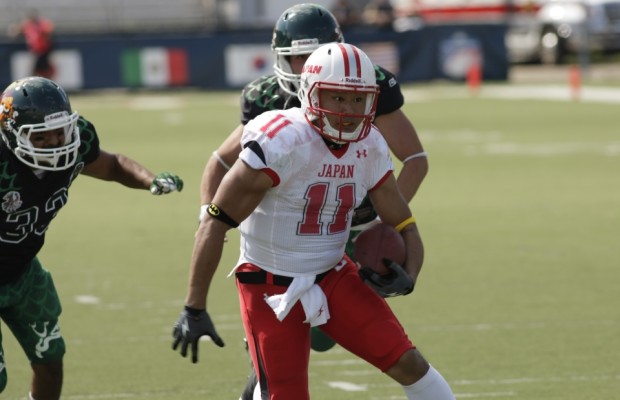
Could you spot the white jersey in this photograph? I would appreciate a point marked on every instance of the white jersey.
(302, 224)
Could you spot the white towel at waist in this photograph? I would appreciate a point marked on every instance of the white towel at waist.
(312, 299)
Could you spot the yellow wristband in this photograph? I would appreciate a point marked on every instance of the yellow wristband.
(403, 225)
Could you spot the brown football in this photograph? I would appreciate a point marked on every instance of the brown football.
(376, 243)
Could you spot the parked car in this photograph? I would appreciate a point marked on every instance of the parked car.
(563, 27)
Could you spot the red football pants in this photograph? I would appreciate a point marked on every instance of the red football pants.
(361, 322)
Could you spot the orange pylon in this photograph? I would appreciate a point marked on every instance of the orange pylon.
(474, 77)
(574, 82)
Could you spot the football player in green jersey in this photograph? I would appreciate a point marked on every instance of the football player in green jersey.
(45, 146)
(298, 32)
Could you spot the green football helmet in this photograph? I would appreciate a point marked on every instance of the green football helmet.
(301, 29)
(33, 105)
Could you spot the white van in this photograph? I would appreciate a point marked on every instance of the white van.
(537, 30)
(562, 27)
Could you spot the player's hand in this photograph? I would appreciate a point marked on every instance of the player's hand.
(364, 213)
(165, 183)
(395, 283)
(193, 324)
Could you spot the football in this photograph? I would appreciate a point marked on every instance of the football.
(376, 243)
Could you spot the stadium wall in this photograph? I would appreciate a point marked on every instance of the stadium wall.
(229, 60)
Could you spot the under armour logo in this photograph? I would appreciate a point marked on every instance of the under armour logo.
(362, 153)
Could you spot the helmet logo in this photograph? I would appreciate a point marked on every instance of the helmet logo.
(312, 69)
(352, 80)
(7, 114)
(58, 115)
(305, 42)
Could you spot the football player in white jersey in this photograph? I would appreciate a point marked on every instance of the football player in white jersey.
(292, 193)
(299, 30)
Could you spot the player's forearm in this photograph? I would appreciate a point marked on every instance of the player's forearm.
(415, 250)
(206, 256)
(119, 168)
(411, 176)
(220, 162)
(132, 174)
(211, 178)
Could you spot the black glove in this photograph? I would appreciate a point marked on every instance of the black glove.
(364, 213)
(395, 283)
(193, 324)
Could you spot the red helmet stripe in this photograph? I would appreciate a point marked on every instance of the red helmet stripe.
(347, 66)
(358, 62)
(347, 69)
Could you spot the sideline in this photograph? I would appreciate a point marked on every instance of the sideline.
(555, 92)
(587, 94)
(600, 83)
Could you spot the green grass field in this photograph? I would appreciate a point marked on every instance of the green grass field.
(518, 298)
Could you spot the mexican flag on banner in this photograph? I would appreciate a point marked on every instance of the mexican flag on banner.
(154, 67)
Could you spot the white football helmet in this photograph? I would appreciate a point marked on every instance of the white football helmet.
(342, 67)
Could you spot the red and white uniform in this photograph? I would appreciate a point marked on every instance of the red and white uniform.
(302, 225)
(38, 34)
(299, 230)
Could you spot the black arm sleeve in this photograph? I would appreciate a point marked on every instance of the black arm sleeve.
(390, 97)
